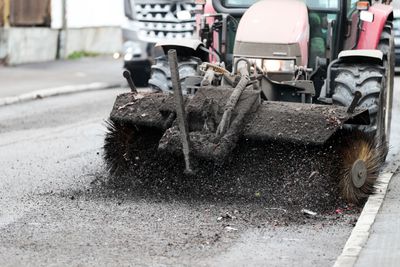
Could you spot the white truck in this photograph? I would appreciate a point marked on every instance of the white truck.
(148, 22)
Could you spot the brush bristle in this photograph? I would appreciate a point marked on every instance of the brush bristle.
(116, 147)
(359, 146)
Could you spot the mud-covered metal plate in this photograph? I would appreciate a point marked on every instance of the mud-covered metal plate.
(143, 110)
(300, 123)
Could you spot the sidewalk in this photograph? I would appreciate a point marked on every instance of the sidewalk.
(27, 78)
(383, 245)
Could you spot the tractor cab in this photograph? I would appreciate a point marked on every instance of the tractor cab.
(285, 36)
(327, 20)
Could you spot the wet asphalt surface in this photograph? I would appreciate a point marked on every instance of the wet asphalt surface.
(58, 206)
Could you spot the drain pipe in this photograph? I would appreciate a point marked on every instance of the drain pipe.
(62, 36)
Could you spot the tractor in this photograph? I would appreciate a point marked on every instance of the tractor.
(302, 73)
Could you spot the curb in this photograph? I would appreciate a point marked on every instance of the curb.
(360, 234)
(63, 90)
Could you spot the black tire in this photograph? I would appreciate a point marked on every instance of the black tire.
(365, 78)
(386, 45)
(161, 75)
(375, 82)
(140, 72)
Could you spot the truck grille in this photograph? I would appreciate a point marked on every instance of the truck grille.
(160, 21)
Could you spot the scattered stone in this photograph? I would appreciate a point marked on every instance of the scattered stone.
(339, 211)
(226, 216)
(230, 229)
(308, 213)
(280, 209)
(313, 175)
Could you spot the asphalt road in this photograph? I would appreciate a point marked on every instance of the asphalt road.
(24, 78)
(57, 206)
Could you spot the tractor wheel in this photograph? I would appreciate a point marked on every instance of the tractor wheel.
(368, 79)
(365, 147)
(376, 85)
(161, 75)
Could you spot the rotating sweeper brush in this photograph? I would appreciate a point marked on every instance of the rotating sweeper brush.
(361, 159)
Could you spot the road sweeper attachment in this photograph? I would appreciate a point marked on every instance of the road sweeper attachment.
(225, 131)
(273, 97)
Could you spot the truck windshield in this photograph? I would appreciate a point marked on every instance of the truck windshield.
(312, 4)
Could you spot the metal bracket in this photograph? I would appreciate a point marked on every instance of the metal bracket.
(180, 109)
(128, 77)
(354, 103)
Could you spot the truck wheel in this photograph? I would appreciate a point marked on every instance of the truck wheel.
(140, 74)
(161, 75)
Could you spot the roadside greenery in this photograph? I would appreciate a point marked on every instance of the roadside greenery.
(81, 54)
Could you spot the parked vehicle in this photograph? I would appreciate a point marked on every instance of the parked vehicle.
(148, 22)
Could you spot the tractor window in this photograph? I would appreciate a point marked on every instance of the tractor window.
(238, 3)
(351, 7)
(319, 35)
(322, 4)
